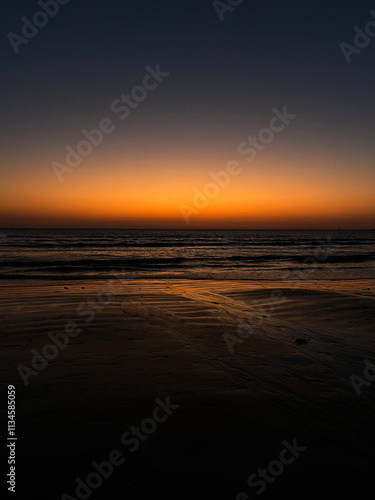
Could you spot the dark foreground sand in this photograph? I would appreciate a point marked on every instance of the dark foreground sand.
(160, 339)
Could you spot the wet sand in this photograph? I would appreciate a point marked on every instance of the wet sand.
(155, 339)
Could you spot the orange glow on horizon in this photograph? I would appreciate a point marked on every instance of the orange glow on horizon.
(269, 195)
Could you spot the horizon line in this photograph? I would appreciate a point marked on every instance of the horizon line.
(190, 229)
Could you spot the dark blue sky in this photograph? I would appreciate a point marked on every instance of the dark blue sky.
(262, 52)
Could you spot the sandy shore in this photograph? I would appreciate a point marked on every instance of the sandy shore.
(237, 405)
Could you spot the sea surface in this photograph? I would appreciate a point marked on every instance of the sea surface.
(186, 254)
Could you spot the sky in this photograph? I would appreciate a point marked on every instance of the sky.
(217, 79)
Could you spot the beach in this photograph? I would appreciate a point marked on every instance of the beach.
(241, 393)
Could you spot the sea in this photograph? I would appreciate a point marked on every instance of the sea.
(84, 254)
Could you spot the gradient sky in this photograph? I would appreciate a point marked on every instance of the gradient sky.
(225, 79)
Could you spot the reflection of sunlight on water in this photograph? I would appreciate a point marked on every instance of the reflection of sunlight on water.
(171, 254)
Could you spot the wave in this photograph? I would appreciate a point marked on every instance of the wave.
(92, 263)
(206, 242)
(301, 258)
(100, 263)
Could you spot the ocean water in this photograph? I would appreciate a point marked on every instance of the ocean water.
(186, 254)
